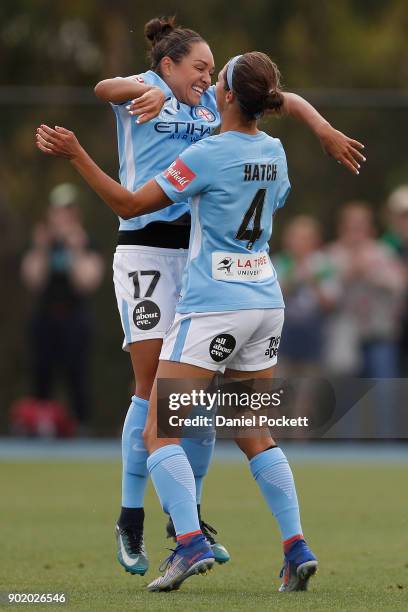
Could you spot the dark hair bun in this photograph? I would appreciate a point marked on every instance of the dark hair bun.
(156, 29)
(274, 100)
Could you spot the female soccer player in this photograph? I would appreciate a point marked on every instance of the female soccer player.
(235, 181)
(175, 95)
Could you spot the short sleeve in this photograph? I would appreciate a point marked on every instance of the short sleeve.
(189, 175)
(283, 193)
(144, 78)
(139, 78)
(284, 186)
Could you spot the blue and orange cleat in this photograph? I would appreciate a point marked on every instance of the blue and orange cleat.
(220, 553)
(298, 566)
(192, 557)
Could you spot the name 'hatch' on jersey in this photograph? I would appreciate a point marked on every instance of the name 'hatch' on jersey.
(236, 182)
(146, 149)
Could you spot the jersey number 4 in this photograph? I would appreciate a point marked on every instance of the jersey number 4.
(135, 277)
(253, 214)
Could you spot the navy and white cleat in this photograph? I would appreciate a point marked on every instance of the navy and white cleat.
(299, 565)
(187, 559)
(131, 551)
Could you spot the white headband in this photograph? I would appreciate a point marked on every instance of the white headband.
(230, 70)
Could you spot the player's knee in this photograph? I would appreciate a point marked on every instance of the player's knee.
(143, 388)
(145, 373)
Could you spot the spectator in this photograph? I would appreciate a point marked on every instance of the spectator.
(61, 269)
(308, 283)
(366, 327)
(396, 237)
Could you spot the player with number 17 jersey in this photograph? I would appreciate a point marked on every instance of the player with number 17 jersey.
(145, 149)
(153, 246)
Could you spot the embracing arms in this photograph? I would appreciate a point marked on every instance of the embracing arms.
(336, 144)
(146, 100)
(63, 143)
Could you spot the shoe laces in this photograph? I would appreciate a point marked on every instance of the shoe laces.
(207, 531)
(167, 562)
(134, 539)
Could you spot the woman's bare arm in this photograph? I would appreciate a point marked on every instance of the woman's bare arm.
(61, 142)
(146, 101)
(336, 144)
(119, 90)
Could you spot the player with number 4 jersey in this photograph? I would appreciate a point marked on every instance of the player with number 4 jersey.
(236, 182)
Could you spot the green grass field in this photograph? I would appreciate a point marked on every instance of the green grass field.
(57, 523)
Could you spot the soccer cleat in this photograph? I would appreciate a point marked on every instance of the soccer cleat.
(186, 560)
(131, 551)
(221, 554)
(298, 566)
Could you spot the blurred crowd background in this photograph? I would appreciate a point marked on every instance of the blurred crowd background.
(340, 244)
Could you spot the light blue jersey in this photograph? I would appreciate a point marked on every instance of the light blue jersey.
(236, 182)
(146, 149)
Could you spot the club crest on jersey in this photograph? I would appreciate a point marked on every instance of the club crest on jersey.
(170, 108)
(179, 175)
(204, 113)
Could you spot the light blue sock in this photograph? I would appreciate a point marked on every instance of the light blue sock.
(134, 454)
(173, 480)
(275, 479)
(199, 452)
